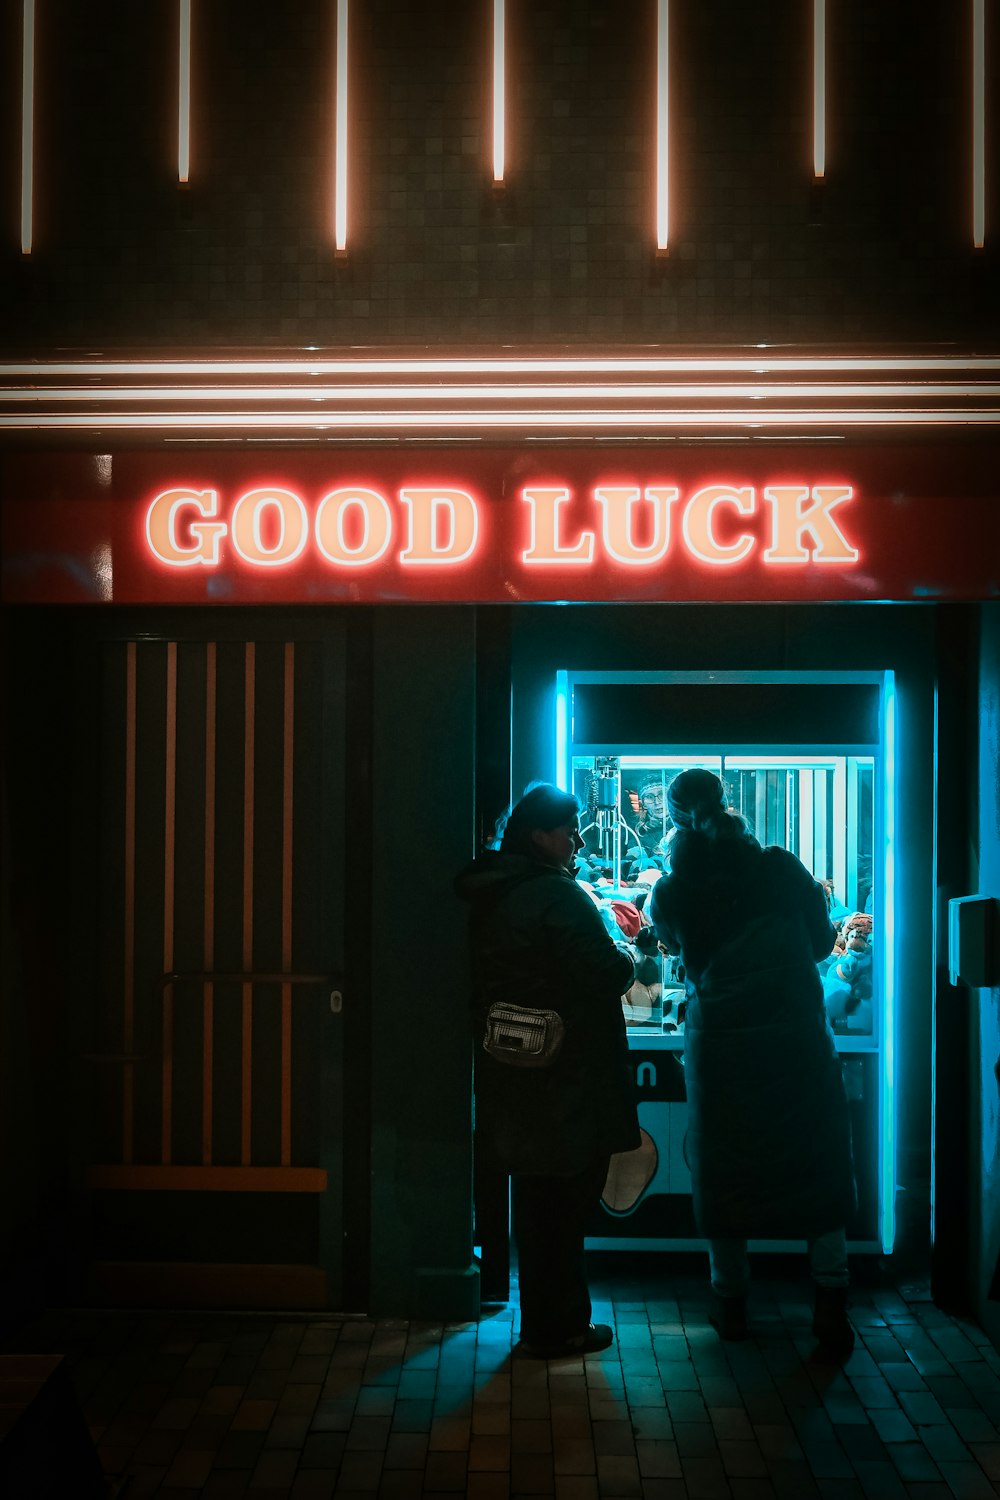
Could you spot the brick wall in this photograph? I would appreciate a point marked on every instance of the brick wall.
(879, 254)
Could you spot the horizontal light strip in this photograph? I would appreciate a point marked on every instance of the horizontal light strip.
(393, 421)
(303, 366)
(623, 392)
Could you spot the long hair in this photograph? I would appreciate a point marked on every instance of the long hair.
(543, 806)
(702, 818)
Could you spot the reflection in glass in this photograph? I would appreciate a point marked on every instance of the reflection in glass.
(819, 807)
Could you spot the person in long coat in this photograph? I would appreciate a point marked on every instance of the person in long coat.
(769, 1141)
(537, 940)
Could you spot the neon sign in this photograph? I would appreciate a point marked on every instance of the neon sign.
(632, 526)
(499, 525)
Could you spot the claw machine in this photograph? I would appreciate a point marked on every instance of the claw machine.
(808, 759)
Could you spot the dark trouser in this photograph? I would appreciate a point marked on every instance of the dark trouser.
(550, 1217)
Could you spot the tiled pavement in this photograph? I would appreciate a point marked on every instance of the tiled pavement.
(269, 1405)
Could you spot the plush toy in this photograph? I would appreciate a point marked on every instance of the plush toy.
(847, 984)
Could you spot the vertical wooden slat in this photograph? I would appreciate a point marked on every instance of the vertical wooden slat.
(248, 796)
(128, 976)
(169, 835)
(208, 951)
(286, 902)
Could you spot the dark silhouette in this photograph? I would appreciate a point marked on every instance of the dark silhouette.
(769, 1134)
(537, 940)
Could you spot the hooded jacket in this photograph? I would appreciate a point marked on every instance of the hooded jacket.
(537, 939)
(769, 1142)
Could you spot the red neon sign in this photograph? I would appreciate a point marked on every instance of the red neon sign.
(500, 525)
(355, 526)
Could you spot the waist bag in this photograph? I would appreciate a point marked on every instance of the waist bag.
(522, 1037)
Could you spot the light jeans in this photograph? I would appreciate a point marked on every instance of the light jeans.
(730, 1266)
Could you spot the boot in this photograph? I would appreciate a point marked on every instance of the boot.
(595, 1337)
(830, 1322)
(728, 1316)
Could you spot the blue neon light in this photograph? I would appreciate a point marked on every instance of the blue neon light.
(887, 1113)
(562, 731)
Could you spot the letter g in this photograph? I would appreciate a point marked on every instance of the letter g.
(163, 520)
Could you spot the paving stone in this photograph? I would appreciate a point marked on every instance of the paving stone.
(531, 1474)
(861, 1442)
(731, 1423)
(679, 1375)
(287, 1432)
(901, 1375)
(922, 1408)
(792, 1479)
(671, 1413)
(574, 1456)
(879, 1481)
(914, 1462)
(705, 1478)
(987, 1455)
(827, 1460)
(893, 1426)
(944, 1443)
(873, 1393)
(686, 1406)
(742, 1459)
(951, 1391)
(657, 1459)
(967, 1481)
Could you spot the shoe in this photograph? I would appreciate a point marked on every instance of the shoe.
(728, 1316)
(598, 1336)
(831, 1324)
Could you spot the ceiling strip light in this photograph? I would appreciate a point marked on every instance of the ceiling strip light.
(340, 168)
(499, 90)
(184, 92)
(349, 422)
(304, 365)
(978, 123)
(819, 88)
(626, 391)
(27, 124)
(662, 129)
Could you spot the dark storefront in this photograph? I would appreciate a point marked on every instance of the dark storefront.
(265, 705)
(368, 449)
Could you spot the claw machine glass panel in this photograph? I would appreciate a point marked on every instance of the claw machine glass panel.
(621, 742)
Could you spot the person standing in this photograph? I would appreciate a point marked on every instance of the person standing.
(769, 1142)
(537, 940)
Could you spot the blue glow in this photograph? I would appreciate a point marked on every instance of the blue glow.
(887, 1122)
(562, 731)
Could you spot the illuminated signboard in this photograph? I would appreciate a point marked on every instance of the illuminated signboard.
(497, 525)
(354, 527)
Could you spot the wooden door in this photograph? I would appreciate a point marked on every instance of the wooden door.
(216, 1055)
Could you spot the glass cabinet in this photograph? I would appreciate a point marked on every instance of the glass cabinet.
(820, 807)
(807, 759)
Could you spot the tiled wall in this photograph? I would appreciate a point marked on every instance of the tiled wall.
(880, 253)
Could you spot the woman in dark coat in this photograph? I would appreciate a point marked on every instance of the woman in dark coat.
(537, 940)
(768, 1141)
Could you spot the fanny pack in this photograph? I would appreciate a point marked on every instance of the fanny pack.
(523, 1037)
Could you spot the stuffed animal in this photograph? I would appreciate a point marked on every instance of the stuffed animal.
(847, 984)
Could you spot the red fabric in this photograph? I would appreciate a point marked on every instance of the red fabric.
(627, 916)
